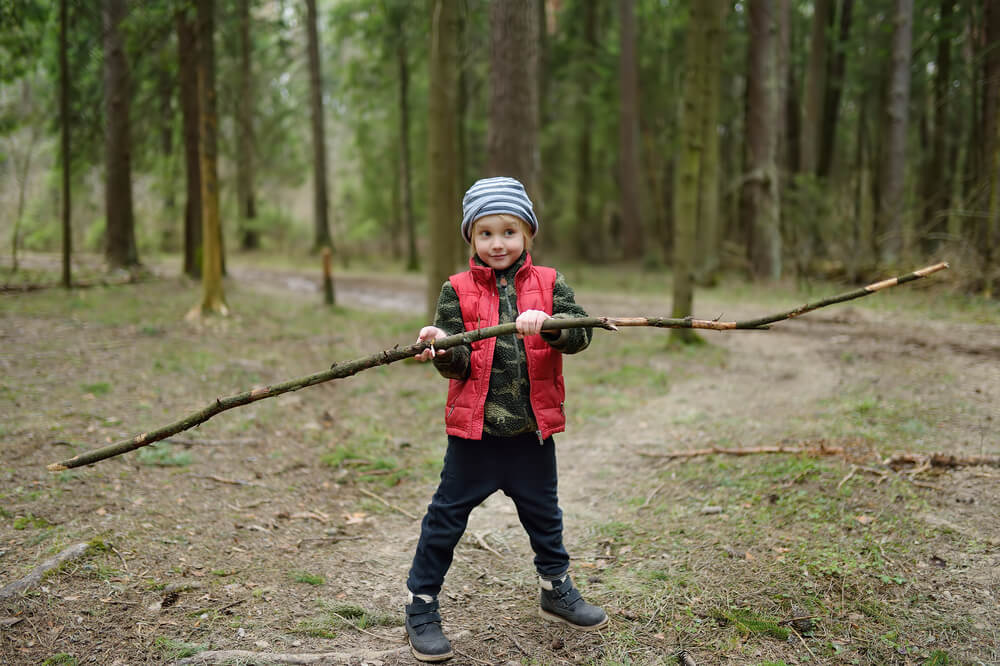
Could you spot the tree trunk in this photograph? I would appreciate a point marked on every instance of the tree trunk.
(936, 187)
(760, 188)
(321, 237)
(213, 300)
(587, 227)
(890, 206)
(689, 165)
(187, 75)
(783, 19)
(708, 231)
(993, 215)
(442, 146)
(512, 137)
(812, 118)
(988, 134)
(64, 143)
(405, 185)
(836, 67)
(119, 250)
(249, 236)
(628, 134)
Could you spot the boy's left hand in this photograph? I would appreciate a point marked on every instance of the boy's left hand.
(529, 322)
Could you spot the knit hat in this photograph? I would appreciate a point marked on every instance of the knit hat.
(495, 196)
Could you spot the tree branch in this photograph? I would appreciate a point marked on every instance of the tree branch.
(385, 357)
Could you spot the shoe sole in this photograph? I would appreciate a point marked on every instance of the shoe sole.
(552, 617)
(420, 656)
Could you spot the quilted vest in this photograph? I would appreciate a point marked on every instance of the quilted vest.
(480, 303)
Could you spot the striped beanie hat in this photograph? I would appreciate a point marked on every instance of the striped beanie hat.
(495, 196)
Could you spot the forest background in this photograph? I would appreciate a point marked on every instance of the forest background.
(773, 138)
(755, 153)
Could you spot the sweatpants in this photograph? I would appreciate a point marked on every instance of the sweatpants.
(475, 469)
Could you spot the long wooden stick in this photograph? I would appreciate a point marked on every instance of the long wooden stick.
(397, 353)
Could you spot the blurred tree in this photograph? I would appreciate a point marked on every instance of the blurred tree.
(890, 203)
(65, 156)
(815, 87)
(935, 188)
(834, 81)
(187, 75)
(628, 135)
(245, 160)
(397, 14)
(213, 299)
(702, 27)
(760, 185)
(708, 233)
(321, 236)
(442, 145)
(512, 137)
(120, 249)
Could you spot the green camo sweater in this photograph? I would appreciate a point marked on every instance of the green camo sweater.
(508, 408)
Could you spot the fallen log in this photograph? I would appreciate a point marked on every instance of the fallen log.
(397, 353)
(821, 450)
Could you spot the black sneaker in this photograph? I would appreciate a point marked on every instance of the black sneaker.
(423, 627)
(563, 603)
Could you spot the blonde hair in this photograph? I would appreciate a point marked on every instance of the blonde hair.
(506, 217)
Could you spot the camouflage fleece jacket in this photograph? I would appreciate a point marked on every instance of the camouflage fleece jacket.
(508, 407)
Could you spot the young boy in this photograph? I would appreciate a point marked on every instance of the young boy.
(505, 400)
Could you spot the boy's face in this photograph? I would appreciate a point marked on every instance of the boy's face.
(499, 240)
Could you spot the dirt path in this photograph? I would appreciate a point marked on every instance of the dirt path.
(235, 544)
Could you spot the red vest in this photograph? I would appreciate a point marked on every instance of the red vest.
(480, 302)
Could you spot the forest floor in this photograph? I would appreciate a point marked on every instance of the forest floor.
(287, 527)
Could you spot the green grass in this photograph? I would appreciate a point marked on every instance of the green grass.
(164, 455)
(307, 578)
(171, 648)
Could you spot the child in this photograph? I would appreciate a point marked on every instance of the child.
(505, 400)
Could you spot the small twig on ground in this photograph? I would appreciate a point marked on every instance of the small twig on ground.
(232, 482)
(354, 626)
(803, 642)
(481, 540)
(333, 539)
(228, 606)
(519, 646)
(121, 557)
(797, 619)
(469, 656)
(389, 504)
(854, 468)
(650, 496)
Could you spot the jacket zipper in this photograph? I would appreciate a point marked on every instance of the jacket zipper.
(541, 442)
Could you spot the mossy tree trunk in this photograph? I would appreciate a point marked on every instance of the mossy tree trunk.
(187, 77)
(213, 299)
(442, 146)
(321, 224)
(246, 203)
(120, 249)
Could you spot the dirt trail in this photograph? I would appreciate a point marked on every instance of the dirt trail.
(766, 385)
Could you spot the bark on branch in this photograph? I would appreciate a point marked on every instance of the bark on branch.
(397, 353)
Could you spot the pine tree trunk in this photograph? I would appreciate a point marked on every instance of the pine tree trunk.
(836, 67)
(512, 137)
(187, 75)
(587, 226)
(708, 232)
(213, 300)
(893, 172)
(812, 117)
(64, 144)
(783, 20)
(249, 236)
(761, 183)
(936, 187)
(628, 134)
(120, 250)
(405, 184)
(321, 236)
(689, 165)
(442, 147)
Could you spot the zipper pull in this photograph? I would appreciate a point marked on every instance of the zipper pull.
(541, 442)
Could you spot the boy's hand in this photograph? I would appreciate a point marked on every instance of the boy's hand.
(529, 322)
(430, 333)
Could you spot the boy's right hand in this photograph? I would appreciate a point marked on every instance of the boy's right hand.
(430, 333)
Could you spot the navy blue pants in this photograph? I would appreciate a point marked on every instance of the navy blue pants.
(473, 470)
